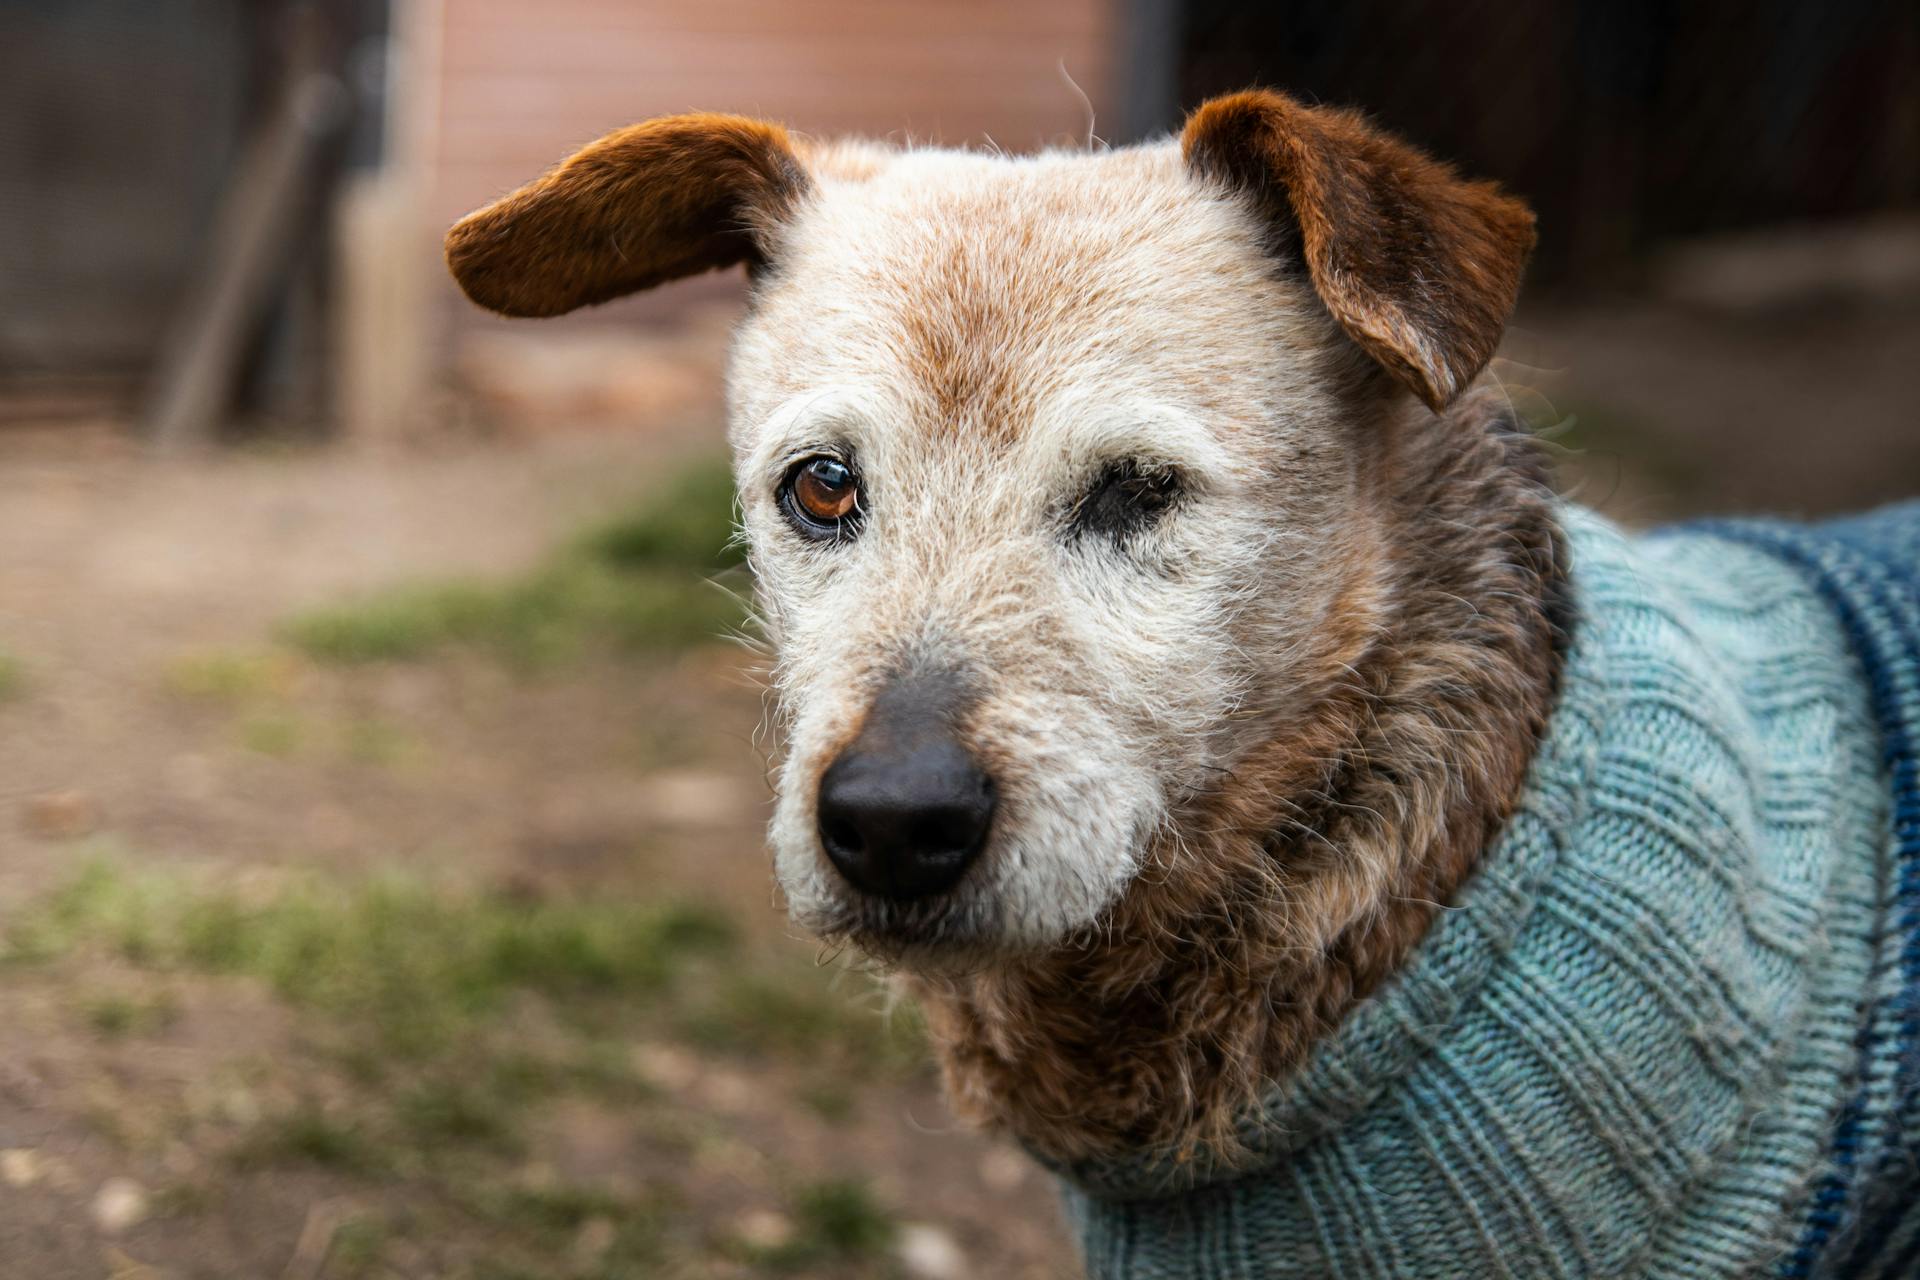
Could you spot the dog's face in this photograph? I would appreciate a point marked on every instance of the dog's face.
(1093, 466)
(1055, 470)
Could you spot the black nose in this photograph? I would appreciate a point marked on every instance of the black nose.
(905, 825)
(905, 809)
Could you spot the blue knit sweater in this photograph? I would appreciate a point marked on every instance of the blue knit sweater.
(1671, 1027)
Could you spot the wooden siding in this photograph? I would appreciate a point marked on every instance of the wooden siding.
(522, 84)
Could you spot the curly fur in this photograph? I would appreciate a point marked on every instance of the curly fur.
(1291, 888)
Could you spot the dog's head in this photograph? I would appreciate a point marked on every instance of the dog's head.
(1056, 470)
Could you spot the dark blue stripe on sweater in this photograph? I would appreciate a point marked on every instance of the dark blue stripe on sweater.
(1868, 569)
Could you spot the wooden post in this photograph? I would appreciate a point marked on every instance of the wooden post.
(254, 237)
(384, 337)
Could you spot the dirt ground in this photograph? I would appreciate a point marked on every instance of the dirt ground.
(607, 775)
(127, 1086)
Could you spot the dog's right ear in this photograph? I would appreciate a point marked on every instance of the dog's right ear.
(1418, 266)
(646, 204)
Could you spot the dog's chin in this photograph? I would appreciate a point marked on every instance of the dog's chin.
(946, 935)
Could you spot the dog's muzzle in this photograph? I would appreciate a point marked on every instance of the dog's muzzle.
(905, 808)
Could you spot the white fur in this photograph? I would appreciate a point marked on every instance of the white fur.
(983, 334)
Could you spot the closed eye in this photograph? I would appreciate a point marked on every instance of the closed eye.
(1125, 499)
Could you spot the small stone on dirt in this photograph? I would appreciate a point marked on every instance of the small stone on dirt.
(120, 1205)
(693, 798)
(123, 1266)
(929, 1253)
(596, 1236)
(328, 826)
(665, 1066)
(61, 815)
(191, 776)
(20, 1166)
(241, 1107)
(1003, 1170)
(763, 1228)
(728, 1092)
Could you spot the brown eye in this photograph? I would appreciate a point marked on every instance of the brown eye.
(823, 497)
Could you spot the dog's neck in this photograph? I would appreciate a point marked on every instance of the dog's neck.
(1305, 878)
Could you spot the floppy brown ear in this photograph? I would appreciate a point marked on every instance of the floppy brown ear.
(1419, 266)
(643, 205)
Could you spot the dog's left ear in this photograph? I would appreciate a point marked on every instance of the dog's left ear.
(649, 203)
(1418, 266)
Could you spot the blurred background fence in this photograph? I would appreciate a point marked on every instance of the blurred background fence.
(221, 211)
(1626, 125)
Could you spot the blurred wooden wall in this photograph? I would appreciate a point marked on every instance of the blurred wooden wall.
(1626, 123)
(521, 85)
(117, 125)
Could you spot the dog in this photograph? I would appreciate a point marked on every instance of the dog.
(1325, 848)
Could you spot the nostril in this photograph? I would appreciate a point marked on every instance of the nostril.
(840, 833)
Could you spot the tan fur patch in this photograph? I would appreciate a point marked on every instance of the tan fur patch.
(1419, 267)
(644, 205)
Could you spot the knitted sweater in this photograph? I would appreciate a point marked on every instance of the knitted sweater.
(1671, 1026)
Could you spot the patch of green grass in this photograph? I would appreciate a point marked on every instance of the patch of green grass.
(689, 525)
(256, 687)
(380, 743)
(834, 1220)
(115, 1015)
(309, 1134)
(561, 1208)
(13, 677)
(357, 1246)
(273, 734)
(832, 1101)
(229, 677)
(449, 1111)
(842, 1217)
(799, 1015)
(399, 624)
(403, 961)
(556, 1213)
(639, 582)
(433, 1025)
(603, 1070)
(532, 623)
(92, 901)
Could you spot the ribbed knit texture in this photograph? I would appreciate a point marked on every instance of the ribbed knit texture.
(1671, 1026)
